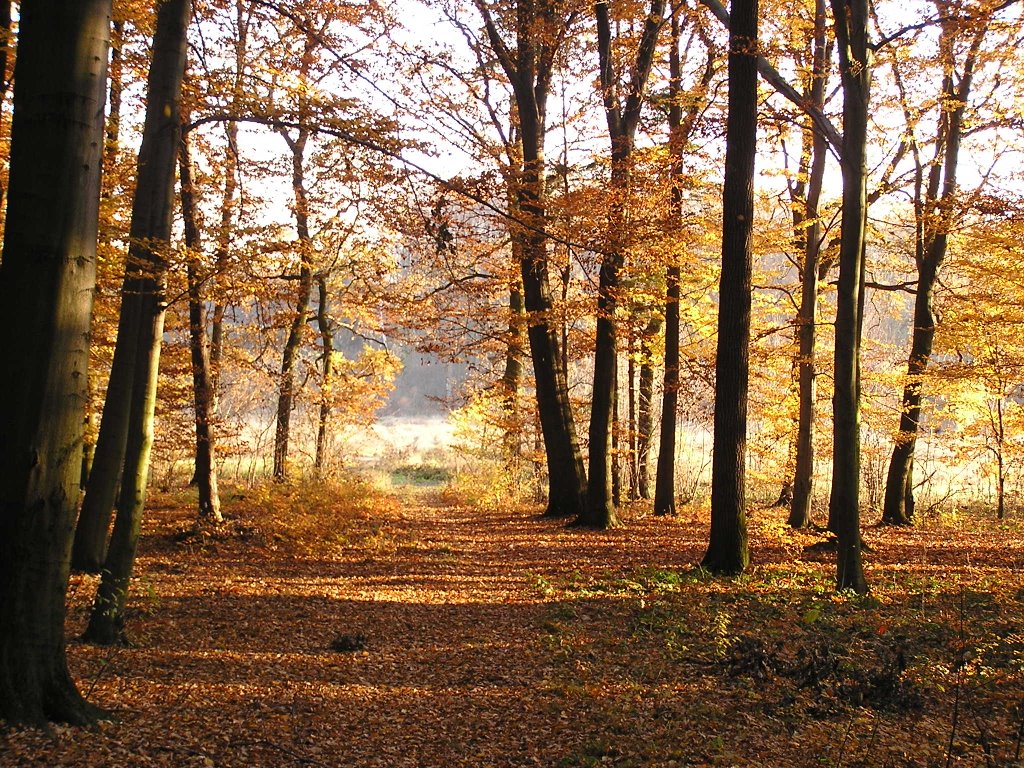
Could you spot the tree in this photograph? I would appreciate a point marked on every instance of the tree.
(152, 212)
(205, 475)
(851, 25)
(681, 123)
(727, 549)
(935, 193)
(622, 114)
(46, 281)
(540, 29)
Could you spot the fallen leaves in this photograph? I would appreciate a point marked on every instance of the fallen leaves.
(414, 632)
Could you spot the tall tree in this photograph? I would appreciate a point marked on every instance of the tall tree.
(622, 105)
(806, 196)
(205, 475)
(852, 37)
(540, 29)
(727, 548)
(46, 282)
(935, 192)
(681, 123)
(300, 306)
(152, 211)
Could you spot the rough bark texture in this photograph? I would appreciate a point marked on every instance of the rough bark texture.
(205, 475)
(727, 548)
(152, 210)
(46, 282)
(528, 67)
(851, 25)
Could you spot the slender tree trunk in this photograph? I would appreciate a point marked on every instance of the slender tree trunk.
(680, 126)
(528, 67)
(622, 119)
(727, 548)
(645, 416)
(286, 382)
(632, 430)
(323, 320)
(47, 276)
(934, 215)
(152, 212)
(221, 257)
(809, 231)
(205, 476)
(851, 24)
(222, 254)
(87, 554)
(513, 375)
(106, 620)
(106, 453)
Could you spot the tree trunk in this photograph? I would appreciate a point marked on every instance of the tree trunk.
(205, 475)
(851, 24)
(108, 185)
(327, 345)
(645, 413)
(680, 128)
(221, 257)
(632, 430)
(107, 617)
(152, 213)
(286, 382)
(934, 215)
(808, 229)
(47, 277)
(528, 67)
(727, 548)
(622, 119)
(513, 375)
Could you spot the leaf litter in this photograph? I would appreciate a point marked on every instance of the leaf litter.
(410, 630)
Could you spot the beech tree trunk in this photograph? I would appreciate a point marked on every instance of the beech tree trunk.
(622, 118)
(152, 212)
(323, 320)
(727, 548)
(851, 19)
(286, 382)
(513, 374)
(934, 213)
(680, 125)
(808, 237)
(47, 277)
(205, 475)
(528, 67)
(645, 407)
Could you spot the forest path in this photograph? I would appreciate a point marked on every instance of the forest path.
(403, 630)
(453, 655)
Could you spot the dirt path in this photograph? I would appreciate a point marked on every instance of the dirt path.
(440, 635)
(440, 610)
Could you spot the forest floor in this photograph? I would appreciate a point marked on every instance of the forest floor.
(402, 629)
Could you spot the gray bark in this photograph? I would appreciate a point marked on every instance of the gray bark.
(47, 277)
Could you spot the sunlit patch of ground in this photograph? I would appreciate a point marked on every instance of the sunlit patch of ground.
(349, 628)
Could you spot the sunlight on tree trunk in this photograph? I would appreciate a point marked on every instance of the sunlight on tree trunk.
(47, 277)
(727, 547)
